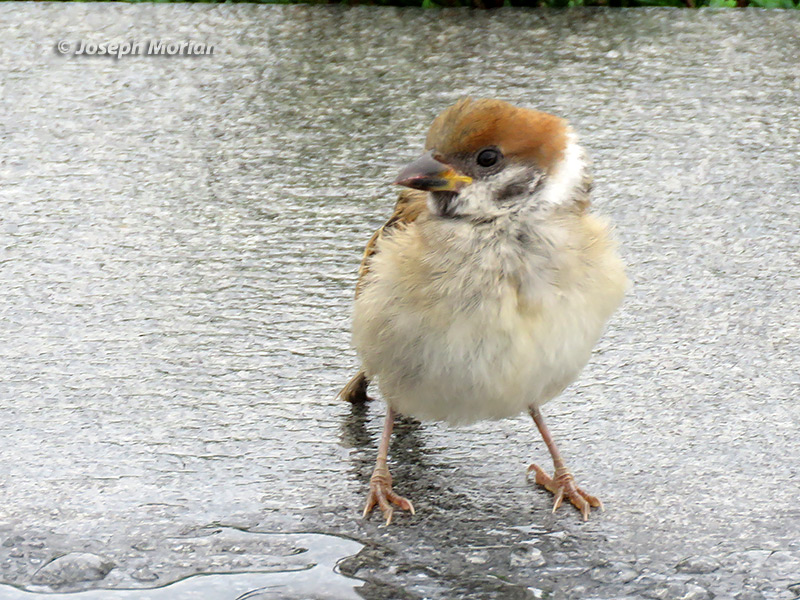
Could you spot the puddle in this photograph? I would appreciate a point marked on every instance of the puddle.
(308, 575)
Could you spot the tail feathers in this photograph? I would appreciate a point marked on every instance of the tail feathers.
(356, 389)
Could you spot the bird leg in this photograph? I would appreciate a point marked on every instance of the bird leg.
(380, 484)
(562, 483)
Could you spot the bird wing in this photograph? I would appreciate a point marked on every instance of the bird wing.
(410, 205)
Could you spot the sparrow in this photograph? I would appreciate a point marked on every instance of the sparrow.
(483, 294)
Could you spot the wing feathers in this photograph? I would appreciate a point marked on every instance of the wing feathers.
(410, 205)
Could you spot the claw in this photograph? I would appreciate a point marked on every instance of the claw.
(559, 499)
(403, 503)
(369, 506)
(562, 485)
(381, 494)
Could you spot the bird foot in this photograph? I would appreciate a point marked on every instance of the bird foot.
(381, 494)
(562, 485)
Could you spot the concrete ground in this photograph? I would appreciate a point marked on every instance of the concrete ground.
(179, 238)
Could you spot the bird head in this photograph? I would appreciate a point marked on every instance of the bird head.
(486, 158)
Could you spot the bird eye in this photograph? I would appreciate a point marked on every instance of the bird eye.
(488, 157)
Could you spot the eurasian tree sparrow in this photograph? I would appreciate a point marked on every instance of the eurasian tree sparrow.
(483, 294)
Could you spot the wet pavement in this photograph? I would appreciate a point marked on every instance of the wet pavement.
(179, 238)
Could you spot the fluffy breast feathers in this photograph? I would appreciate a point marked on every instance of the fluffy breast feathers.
(463, 323)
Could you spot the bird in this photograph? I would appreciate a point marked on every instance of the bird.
(482, 296)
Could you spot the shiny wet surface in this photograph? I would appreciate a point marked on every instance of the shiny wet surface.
(179, 240)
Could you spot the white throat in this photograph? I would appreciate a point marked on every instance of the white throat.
(568, 176)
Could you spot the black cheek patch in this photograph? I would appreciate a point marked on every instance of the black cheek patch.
(445, 203)
(512, 191)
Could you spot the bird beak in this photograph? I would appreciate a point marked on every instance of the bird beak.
(428, 174)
